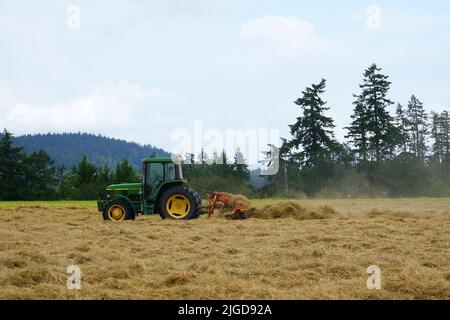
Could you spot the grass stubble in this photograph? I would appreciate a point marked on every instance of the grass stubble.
(309, 249)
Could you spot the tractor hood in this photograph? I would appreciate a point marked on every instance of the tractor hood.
(124, 186)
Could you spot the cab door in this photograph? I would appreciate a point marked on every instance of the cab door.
(153, 178)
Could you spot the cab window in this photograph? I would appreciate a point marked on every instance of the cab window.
(155, 173)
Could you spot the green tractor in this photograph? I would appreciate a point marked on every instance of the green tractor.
(163, 191)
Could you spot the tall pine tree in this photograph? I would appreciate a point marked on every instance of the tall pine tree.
(418, 128)
(372, 118)
(402, 125)
(440, 134)
(40, 176)
(312, 135)
(358, 131)
(239, 166)
(12, 170)
(125, 173)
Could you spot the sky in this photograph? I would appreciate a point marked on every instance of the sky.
(188, 72)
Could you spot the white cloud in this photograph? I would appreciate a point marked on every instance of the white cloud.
(286, 36)
(111, 109)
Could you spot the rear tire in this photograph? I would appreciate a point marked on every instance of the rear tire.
(180, 202)
(118, 210)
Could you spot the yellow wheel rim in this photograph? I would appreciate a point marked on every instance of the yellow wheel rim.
(178, 206)
(116, 213)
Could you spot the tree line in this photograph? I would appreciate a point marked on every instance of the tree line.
(218, 172)
(390, 150)
(405, 153)
(35, 177)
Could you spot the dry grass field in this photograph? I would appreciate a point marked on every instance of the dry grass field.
(321, 254)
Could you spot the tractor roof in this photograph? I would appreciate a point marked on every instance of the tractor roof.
(158, 160)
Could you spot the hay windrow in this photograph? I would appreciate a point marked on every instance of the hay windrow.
(290, 209)
(280, 209)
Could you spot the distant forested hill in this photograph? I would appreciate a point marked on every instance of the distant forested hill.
(68, 148)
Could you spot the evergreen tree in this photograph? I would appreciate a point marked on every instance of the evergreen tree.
(418, 128)
(82, 181)
(61, 183)
(445, 135)
(104, 175)
(12, 169)
(239, 167)
(224, 167)
(125, 173)
(104, 178)
(312, 135)
(202, 157)
(358, 131)
(440, 134)
(40, 176)
(224, 157)
(86, 171)
(382, 133)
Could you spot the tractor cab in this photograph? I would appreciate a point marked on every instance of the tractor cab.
(162, 191)
(158, 171)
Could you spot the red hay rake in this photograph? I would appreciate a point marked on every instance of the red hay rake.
(221, 199)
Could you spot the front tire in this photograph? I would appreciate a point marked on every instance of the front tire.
(179, 203)
(118, 210)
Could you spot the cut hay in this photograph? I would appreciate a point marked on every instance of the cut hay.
(212, 258)
(289, 209)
